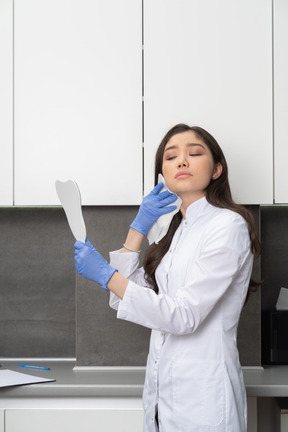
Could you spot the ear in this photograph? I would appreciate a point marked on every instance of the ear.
(217, 171)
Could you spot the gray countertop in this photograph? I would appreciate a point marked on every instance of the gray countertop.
(74, 381)
(71, 381)
(269, 381)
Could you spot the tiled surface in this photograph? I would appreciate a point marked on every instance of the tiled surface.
(102, 339)
(39, 292)
(37, 288)
(274, 229)
(249, 330)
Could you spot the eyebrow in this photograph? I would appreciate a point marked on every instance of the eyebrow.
(172, 147)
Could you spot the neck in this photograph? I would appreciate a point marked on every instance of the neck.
(186, 203)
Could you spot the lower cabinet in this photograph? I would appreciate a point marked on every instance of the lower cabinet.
(2, 420)
(74, 420)
(59, 415)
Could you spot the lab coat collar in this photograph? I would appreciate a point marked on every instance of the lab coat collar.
(196, 209)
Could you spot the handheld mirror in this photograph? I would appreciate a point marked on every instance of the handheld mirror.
(69, 196)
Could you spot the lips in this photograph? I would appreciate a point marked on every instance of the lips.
(183, 174)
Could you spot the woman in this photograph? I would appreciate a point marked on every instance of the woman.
(199, 274)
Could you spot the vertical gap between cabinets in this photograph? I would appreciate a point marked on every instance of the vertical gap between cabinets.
(273, 100)
(142, 48)
(13, 102)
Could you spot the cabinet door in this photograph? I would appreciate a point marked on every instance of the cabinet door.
(125, 420)
(6, 98)
(209, 63)
(78, 100)
(2, 424)
(281, 99)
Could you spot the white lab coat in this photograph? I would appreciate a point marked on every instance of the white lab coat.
(193, 372)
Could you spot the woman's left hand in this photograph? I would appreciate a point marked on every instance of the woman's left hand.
(153, 206)
(90, 264)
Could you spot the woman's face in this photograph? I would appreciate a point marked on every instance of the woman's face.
(188, 166)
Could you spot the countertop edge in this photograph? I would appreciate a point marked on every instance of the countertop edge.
(73, 381)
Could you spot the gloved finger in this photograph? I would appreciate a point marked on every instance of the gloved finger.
(168, 209)
(78, 266)
(166, 194)
(78, 253)
(78, 244)
(77, 262)
(89, 244)
(157, 188)
(83, 252)
(168, 200)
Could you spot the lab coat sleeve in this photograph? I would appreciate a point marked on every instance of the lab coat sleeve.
(127, 264)
(225, 252)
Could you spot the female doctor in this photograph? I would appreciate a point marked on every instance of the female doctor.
(190, 290)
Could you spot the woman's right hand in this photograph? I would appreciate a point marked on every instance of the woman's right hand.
(153, 206)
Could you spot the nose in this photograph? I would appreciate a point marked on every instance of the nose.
(182, 160)
(182, 163)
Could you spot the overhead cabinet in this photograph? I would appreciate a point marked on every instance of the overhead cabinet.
(281, 99)
(208, 64)
(73, 80)
(78, 100)
(6, 103)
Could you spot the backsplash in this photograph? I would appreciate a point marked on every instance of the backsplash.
(37, 288)
(274, 263)
(102, 339)
(46, 310)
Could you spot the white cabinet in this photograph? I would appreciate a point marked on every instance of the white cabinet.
(6, 102)
(281, 99)
(78, 100)
(209, 63)
(86, 420)
(2, 424)
(71, 97)
(284, 421)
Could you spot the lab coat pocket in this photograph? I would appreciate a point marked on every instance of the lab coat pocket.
(198, 393)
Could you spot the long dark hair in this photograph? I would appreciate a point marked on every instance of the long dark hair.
(218, 193)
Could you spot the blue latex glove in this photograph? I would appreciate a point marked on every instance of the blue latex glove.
(90, 264)
(153, 206)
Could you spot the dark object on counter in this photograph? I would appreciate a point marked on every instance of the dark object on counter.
(275, 337)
